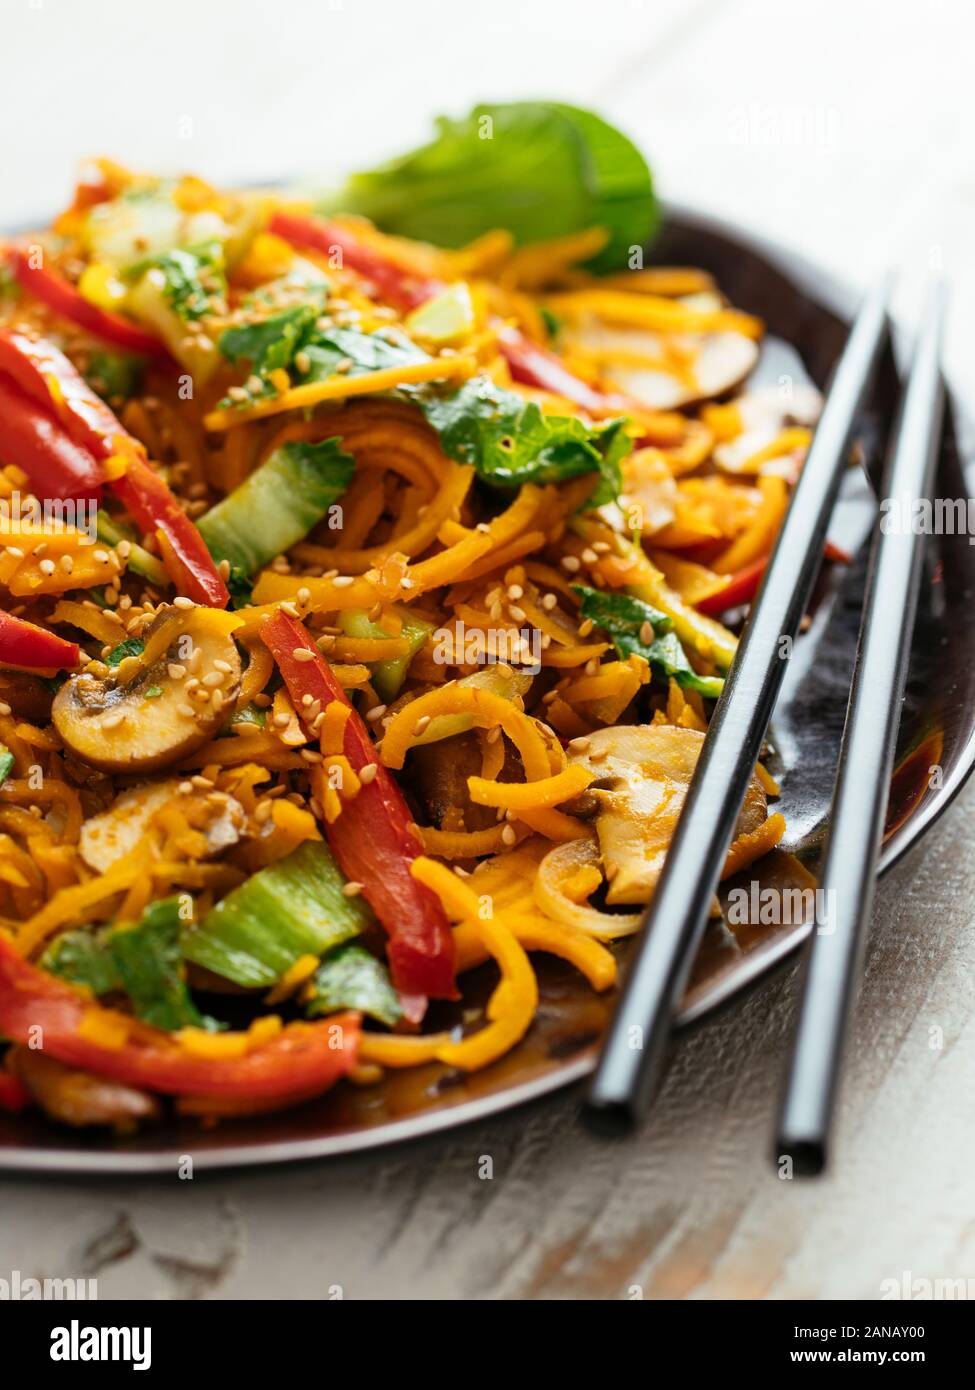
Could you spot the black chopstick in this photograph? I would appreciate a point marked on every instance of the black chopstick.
(633, 1055)
(866, 757)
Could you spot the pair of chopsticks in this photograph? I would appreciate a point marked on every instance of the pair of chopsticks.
(636, 1047)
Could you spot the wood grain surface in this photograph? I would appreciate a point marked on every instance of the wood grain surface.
(843, 128)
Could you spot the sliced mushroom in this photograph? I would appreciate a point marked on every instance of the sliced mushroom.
(80, 1098)
(110, 835)
(765, 411)
(718, 363)
(643, 772)
(649, 485)
(154, 709)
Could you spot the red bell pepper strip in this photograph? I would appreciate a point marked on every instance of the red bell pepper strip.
(303, 1059)
(44, 374)
(60, 295)
(743, 586)
(837, 554)
(52, 380)
(14, 1096)
(534, 366)
(36, 442)
(396, 285)
(153, 507)
(373, 839)
(32, 648)
(740, 588)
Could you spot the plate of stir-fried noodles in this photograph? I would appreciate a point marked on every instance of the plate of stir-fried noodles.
(371, 563)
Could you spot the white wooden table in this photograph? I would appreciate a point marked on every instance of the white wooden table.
(843, 128)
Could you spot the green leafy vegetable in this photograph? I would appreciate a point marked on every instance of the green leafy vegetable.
(82, 957)
(9, 288)
(132, 646)
(624, 619)
(267, 345)
(510, 442)
(195, 280)
(292, 908)
(150, 966)
(6, 765)
(143, 961)
(350, 978)
(239, 587)
(540, 169)
(363, 352)
(277, 504)
(115, 374)
(251, 714)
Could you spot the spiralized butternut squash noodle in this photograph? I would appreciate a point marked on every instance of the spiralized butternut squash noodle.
(362, 619)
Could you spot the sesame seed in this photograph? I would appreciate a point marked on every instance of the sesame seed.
(213, 679)
(304, 596)
(570, 563)
(367, 773)
(185, 788)
(601, 547)
(579, 745)
(186, 710)
(610, 871)
(67, 563)
(288, 607)
(181, 601)
(47, 567)
(549, 602)
(586, 627)
(646, 634)
(515, 591)
(421, 724)
(342, 581)
(375, 713)
(302, 654)
(311, 755)
(352, 889)
(589, 555)
(517, 613)
(591, 667)
(4, 707)
(221, 665)
(508, 836)
(112, 721)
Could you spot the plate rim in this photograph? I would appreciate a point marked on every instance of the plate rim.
(827, 288)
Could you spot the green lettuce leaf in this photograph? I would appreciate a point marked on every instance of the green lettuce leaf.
(510, 442)
(143, 961)
(541, 169)
(622, 618)
(350, 978)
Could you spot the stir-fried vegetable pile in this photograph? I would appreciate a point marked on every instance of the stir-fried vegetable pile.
(360, 621)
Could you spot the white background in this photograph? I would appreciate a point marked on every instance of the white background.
(845, 128)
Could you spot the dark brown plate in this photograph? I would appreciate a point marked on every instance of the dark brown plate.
(809, 312)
